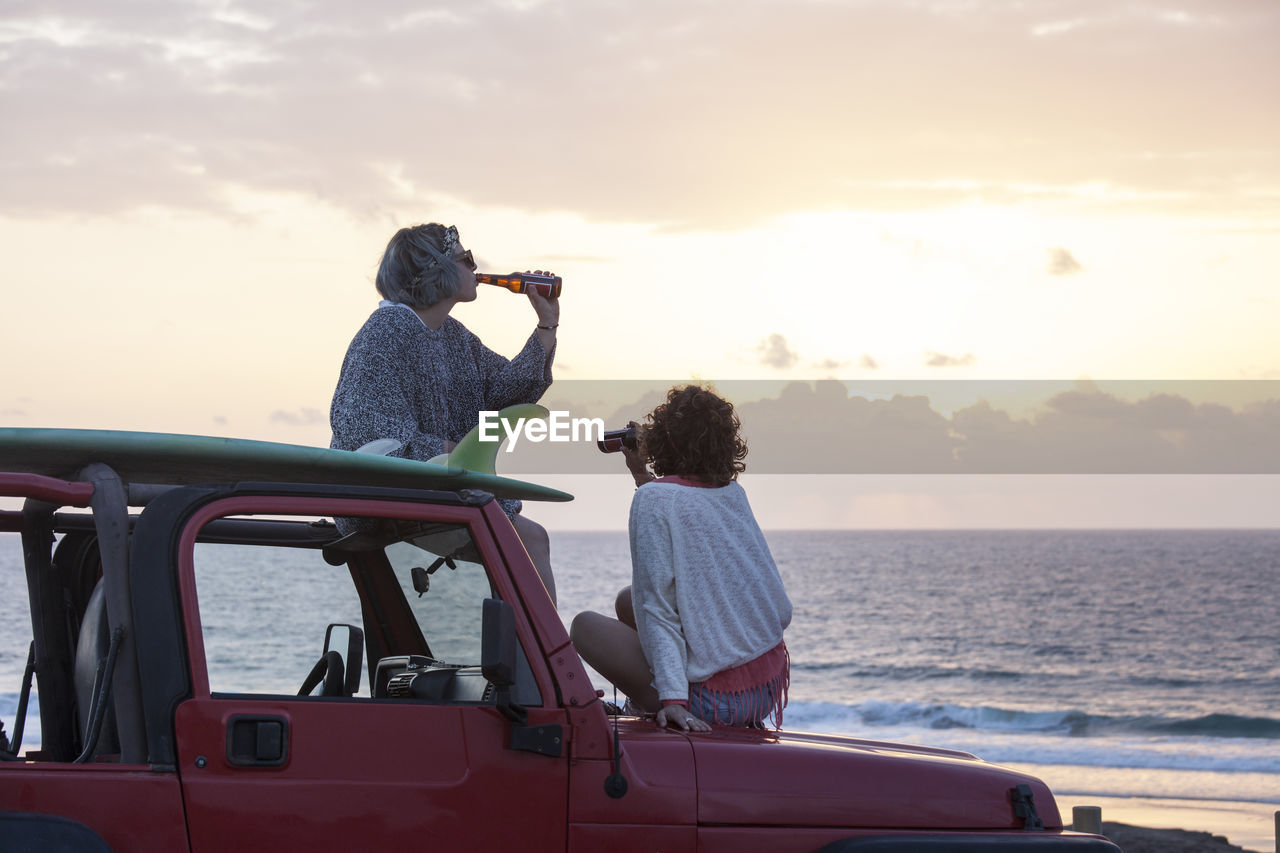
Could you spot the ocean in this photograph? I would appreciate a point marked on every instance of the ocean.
(1111, 663)
(1134, 663)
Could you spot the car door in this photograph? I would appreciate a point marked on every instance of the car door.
(64, 783)
(263, 768)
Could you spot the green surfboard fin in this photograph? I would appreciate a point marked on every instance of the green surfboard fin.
(481, 456)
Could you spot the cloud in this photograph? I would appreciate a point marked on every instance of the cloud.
(819, 427)
(937, 359)
(302, 417)
(775, 352)
(896, 427)
(1061, 262)
(1091, 431)
(1118, 17)
(831, 364)
(373, 108)
(868, 362)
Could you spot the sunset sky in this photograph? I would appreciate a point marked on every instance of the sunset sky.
(195, 196)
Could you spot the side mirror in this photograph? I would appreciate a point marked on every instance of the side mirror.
(498, 656)
(348, 642)
(498, 650)
(498, 642)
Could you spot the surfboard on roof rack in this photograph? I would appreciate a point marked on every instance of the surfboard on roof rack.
(167, 458)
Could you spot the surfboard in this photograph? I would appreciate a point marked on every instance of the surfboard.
(147, 457)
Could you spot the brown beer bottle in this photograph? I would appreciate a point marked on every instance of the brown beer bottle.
(616, 439)
(522, 282)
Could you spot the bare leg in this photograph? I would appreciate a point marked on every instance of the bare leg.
(623, 607)
(538, 544)
(613, 650)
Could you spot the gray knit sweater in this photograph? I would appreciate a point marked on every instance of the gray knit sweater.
(423, 387)
(707, 594)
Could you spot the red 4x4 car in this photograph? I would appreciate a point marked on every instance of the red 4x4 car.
(243, 646)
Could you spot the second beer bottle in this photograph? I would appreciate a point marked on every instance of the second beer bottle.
(522, 282)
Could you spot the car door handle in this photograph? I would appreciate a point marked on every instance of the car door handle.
(257, 741)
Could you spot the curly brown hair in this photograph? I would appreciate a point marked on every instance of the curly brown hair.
(695, 434)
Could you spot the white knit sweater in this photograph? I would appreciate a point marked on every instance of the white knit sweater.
(707, 594)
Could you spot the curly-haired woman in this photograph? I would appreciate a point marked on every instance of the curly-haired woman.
(416, 375)
(698, 638)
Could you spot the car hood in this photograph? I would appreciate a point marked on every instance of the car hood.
(798, 779)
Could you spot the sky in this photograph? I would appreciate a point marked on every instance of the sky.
(195, 196)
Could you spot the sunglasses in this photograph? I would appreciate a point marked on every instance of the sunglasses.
(466, 258)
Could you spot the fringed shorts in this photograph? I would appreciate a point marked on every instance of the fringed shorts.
(747, 695)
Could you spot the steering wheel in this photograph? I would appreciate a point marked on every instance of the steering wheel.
(328, 669)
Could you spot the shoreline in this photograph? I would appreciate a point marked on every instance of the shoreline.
(1175, 822)
(1239, 806)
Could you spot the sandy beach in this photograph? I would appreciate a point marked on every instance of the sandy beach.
(1140, 824)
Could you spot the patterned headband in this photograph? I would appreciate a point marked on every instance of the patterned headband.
(450, 240)
(437, 258)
